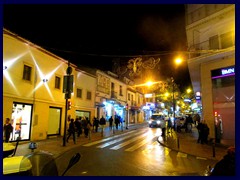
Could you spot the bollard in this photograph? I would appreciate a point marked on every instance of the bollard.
(178, 144)
(213, 148)
(102, 132)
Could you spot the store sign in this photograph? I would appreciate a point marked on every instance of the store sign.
(223, 72)
(228, 71)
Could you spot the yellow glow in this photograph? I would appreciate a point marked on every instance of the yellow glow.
(178, 60)
(189, 90)
(149, 83)
(166, 94)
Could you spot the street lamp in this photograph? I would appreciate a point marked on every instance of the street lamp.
(173, 104)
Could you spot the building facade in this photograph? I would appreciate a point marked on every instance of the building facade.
(210, 30)
(33, 95)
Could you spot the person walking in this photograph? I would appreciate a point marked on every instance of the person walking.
(102, 123)
(163, 129)
(95, 124)
(200, 127)
(8, 129)
(117, 121)
(88, 128)
(169, 125)
(71, 130)
(84, 126)
(78, 126)
(110, 122)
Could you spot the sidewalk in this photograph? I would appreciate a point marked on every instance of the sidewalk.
(54, 145)
(186, 142)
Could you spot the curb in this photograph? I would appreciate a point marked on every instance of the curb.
(177, 150)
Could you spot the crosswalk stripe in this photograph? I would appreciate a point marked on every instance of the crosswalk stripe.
(138, 145)
(128, 142)
(107, 139)
(116, 140)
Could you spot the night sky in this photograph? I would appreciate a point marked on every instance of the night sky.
(100, 33)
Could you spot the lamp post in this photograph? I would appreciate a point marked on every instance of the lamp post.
(173, 103)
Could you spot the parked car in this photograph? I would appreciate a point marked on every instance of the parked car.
(156, 120)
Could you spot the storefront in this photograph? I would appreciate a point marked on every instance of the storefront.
(223, 90)
(21, 121)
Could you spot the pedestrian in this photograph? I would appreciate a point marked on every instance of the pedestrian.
(226, 166)
(169, 125)
(117, 121)
(205, 133)
(78, 126)
(200, 127)
(72, 130)
(88, 128)
(95, 124)
(163, 126)
(110, 122)
(178, 124)
(8, 129)
(102, 123)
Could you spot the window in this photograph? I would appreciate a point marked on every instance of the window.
(57, 82)
(89, 95)
(128, 96)
(226, 40)
(120, 90)
(79, 93)
(214, 42)
(224, 82)
(27, 73)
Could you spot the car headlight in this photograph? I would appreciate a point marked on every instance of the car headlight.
(158, 122)
(150, 122)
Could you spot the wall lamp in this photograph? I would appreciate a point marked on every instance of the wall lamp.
(5, 67)
(45, 80)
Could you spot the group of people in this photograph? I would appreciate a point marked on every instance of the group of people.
(79, 125)
(84, 125)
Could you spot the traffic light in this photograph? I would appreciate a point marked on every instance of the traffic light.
(69, 105)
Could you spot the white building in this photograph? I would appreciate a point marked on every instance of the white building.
(210, 32)
(135, 103)
(33, 89)
(110, 95)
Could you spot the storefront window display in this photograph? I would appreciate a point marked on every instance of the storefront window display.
(21, 121)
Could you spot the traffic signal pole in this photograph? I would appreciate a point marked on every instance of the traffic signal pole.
(67, 89)
(65, 123)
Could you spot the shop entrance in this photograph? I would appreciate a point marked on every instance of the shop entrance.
(54, 121)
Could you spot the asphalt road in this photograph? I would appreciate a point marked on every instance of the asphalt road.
(136, 153)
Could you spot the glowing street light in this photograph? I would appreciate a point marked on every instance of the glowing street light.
(189, 90)
(178, 60)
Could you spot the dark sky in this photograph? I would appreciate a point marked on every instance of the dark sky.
(86, 33)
